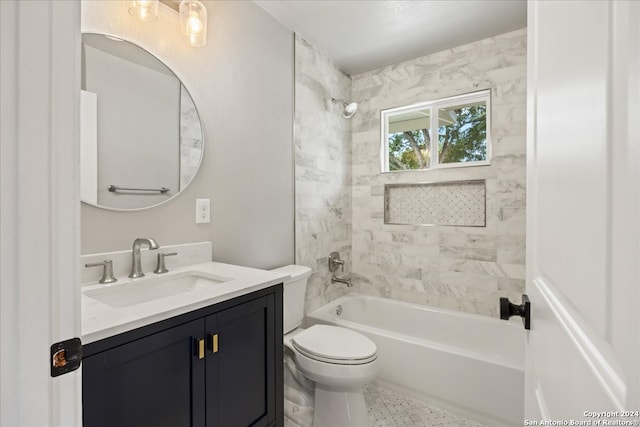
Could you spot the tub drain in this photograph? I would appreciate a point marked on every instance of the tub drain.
(339, 310)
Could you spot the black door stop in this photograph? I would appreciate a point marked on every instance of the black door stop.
(509, 309)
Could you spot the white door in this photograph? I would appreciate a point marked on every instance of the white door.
(583, 216)
(40, 209)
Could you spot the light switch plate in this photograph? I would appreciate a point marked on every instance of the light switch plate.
(203, 211)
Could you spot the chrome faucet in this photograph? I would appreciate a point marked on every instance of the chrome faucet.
(347, 282)
(136, 267)
(334, 263)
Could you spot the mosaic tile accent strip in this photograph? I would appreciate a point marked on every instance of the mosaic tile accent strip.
(456, 203)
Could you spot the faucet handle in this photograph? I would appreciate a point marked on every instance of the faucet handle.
(160, 266)
(335, 261)
(107, 271)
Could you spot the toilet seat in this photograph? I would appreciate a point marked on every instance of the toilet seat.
(336, 345)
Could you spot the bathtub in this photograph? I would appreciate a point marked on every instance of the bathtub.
(468, 364)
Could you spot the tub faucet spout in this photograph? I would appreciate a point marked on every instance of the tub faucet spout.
(347, 282)
(136, 267)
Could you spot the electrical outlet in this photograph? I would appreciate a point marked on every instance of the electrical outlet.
(203, 211)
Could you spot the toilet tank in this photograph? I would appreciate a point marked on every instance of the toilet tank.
(294, 291)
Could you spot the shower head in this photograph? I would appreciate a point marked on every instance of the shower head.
(350, 108)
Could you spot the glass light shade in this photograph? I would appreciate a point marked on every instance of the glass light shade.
(193, 21)
(144, 10)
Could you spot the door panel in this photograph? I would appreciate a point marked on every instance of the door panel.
(571, 173)
(169, 378)
(39, 219)
(241, 364)
(582, 209)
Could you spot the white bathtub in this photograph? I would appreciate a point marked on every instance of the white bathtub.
(466, 363)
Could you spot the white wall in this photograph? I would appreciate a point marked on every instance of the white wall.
(138, 128)
(241, 83)
(88, 147)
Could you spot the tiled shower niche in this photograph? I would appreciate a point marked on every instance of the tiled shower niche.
(453, 203)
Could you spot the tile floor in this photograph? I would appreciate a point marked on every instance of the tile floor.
(388, 408)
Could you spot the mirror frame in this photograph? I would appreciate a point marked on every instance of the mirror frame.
(118, 38)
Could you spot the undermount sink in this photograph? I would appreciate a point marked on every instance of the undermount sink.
(152, 288)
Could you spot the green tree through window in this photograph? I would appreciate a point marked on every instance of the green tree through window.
(465, 140)
(409, 150)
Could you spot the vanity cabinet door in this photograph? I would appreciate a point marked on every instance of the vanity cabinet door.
(157, 380)
(241, 385)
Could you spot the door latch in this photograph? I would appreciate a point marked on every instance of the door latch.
(509, 309)
(66, 356)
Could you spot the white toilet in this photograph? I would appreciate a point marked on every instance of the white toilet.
(325, 366)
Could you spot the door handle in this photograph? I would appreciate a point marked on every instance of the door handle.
(509, 309)
(199, 348)
(213, 343)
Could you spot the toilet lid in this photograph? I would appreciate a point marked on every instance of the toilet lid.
(335, 345)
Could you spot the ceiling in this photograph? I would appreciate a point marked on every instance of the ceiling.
(363, 35)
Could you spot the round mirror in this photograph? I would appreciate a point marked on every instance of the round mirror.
(141, 136)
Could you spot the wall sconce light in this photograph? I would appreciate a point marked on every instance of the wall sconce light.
(144, 10)
(193, 21)
(193, 17)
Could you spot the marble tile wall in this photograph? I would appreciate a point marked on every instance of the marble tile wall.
(190, 139)
(460, 268)
(322, 170)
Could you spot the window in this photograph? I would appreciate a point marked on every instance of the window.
(450, 132)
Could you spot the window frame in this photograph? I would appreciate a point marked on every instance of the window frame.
(435, 106)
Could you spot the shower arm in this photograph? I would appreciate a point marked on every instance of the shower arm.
(349, 107)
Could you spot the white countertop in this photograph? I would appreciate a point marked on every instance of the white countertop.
(101, 321)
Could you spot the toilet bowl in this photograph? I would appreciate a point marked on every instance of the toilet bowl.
(325, 366)
(339, 361)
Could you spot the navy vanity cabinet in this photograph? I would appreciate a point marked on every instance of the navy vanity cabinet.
(152, 381)
(215, 370)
